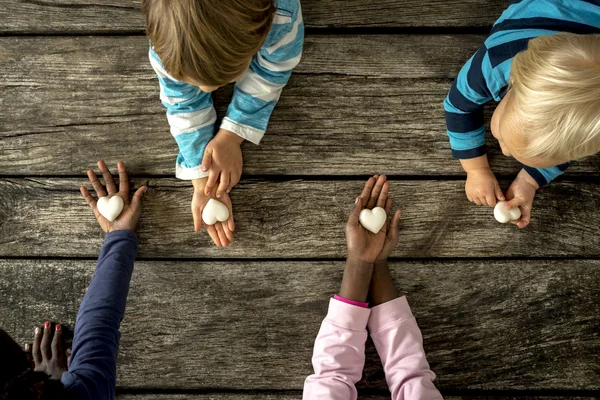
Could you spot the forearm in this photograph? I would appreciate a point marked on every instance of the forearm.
(382, 287)
(339, 353)
(356, 280)
(399, 344)
(96, 340)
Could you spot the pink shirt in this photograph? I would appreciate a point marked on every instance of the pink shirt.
(339, 352)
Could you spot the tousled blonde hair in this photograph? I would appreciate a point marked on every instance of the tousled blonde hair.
(208, 41)
(555, 96)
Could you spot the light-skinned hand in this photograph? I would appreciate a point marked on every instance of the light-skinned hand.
(521, 194)
(130, 215)
(223, 159)
(221, 232)
(482, 187)
(364, 245)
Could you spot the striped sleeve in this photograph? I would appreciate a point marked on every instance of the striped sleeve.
(543, 176)
(256, 93)
(191, 116)
(464, 106)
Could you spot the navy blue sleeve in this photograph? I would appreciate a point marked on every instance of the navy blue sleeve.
(92, 372)
(464, 106)
(543, 176)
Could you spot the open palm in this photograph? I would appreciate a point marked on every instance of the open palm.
(363, 244)
(130, 215)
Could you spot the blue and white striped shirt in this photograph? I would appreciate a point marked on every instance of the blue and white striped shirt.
(486, 75)
(190, 111)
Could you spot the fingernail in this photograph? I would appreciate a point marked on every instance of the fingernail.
(46, 324)
(208, 193)
(58, 327)
(219, 196)
(203, 168)
(37, 330)
(27, 347)
(228, 191)
(356, 200)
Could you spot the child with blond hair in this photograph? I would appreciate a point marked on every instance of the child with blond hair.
(542, 63)
(198, 46)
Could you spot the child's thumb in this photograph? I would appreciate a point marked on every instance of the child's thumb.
(358, 206)
(516, 202)
(206, 160)
(499, 194)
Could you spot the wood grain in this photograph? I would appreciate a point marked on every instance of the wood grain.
(106, 16)
(492, 325)
(363, 395)
(75, 100)
(300, 219)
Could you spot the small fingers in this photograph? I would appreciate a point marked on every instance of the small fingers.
(46, 339)
(498, 192)
(223, 184)
(212, 232)
(206, 160)
(197, 214)
(228, 232)
(383, 196)
(213, 176)
(57, 343)
(394, 226)
(37, 341)
(136, 201)
(368, 188)
(490, 200)
(123, 181)
(477, 201)
(111, 187)
(377, 188)
(235, 179)
(89, 198)
(358, 206)
(221, 232)
(100, 192)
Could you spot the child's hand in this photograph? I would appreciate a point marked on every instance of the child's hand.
(391, 239)
(130, 215)
(520, 194)
(222, 232)
(363, 245)
(223, 158)
(482, 187)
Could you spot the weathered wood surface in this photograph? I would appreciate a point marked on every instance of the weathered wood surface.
(75, 100)
(301, 219)
(105, 16)
(251, 325)
(363, 395)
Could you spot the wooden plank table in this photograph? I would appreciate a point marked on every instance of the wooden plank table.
(505, 313)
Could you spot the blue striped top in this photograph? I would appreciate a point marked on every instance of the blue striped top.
(190, 111)
(486, 75)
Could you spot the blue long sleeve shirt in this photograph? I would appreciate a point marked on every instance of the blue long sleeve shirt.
(485, 77)
(190, 111)
(93, 368)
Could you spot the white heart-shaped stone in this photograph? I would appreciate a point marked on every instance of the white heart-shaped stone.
(110, 208)
(504, 215)
(215, 211)
(373, 220)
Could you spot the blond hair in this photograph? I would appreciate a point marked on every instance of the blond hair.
(208, 41)
(555, 96)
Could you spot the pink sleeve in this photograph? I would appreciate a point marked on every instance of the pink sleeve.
(339, 353)
(399, 344)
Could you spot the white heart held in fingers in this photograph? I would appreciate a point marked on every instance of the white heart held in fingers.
(110, 208)
(373, 220)
(503, 215)
(215, 211)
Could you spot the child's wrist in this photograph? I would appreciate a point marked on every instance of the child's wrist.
(231, 136)
(523, 174)
(475, 164)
